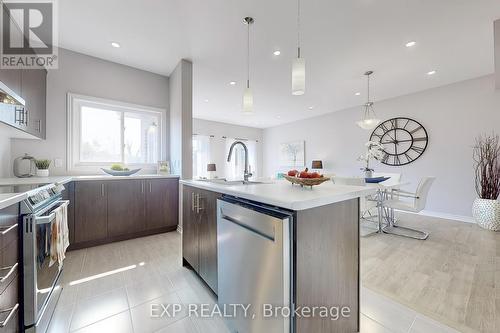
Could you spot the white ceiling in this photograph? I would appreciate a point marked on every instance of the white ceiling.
(340, 40)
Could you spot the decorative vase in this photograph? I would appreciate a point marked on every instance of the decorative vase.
(42, 172)
(487, 213)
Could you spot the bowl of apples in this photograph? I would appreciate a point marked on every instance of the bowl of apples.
(305, 178)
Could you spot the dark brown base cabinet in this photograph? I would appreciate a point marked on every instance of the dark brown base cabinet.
(199, 233)
(9, 262)
(112, 210)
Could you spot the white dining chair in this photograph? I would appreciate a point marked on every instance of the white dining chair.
(407, 202)
(366, 204)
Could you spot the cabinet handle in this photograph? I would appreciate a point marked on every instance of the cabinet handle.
(11, 312)
(150, 187)
(102, 189)
(142, 187)
(198, 208)
(192, 201)
(39, 126)
(7, 229)
(11, 269)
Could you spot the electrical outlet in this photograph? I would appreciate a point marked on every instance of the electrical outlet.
(58, 163)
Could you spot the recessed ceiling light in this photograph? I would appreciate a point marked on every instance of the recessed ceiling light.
(358, 94)
(277, 52)
(431, 72)
(311, 107)
(115, 44)
(206, 101)
(232, 83)
(410, 44)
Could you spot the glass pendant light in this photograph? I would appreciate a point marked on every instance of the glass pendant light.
(299, 64)
(247, 94)
(370, 120)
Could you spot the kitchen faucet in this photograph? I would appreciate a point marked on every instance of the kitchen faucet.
(246, 174)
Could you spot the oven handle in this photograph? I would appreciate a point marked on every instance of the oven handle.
(47, 219)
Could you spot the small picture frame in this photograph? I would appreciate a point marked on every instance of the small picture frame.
(163, 167)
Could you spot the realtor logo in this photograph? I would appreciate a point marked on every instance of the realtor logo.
(29, 36)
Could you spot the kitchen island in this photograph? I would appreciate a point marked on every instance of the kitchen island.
(323, 261)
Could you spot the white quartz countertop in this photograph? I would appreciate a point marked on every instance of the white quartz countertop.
(67, 179)
(281, 193)
(8, 199)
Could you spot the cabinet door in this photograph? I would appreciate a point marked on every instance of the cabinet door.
(34, 92)
(12, 79)
(189, 228)
(162, 203)
(208, 237)
(91, 211)
(126, 213)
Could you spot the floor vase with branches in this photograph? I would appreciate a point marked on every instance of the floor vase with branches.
(486, 208)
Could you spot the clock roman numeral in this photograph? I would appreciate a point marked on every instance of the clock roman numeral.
(385, 128)
(419, 150)
(416, 129)
(419, 139)
(408, 158)
(407, 122)
(396, 160)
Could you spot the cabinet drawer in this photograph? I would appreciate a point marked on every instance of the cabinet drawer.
(8, 225)
(9, 308)
(9, 264)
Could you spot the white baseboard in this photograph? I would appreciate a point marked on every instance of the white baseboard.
(447, 216)
(179, 229)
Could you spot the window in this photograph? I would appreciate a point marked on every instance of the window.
(102, 132)
(201, 155)
(236, 167)
(214, 149)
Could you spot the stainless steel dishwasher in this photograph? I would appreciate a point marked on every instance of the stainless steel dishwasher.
(254, 251)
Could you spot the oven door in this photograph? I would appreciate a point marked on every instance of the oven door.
(39, 278)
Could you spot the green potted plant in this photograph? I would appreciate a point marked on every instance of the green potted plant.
(42, 168)
(486, 208)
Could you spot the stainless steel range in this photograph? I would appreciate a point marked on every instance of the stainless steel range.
(41, 290)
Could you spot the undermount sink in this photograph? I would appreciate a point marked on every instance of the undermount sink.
(234, 182)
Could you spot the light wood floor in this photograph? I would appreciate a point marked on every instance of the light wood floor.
(453, 276)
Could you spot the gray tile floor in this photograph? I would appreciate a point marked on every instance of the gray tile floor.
(111, 288)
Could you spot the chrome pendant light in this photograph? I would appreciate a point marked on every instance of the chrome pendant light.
(247, 94)
(370, 120)
(299, 64)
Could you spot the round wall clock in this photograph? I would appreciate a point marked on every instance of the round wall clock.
(404, 140)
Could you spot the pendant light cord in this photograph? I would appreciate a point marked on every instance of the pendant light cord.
(367, 105)
(298, 28)
(248, 56)
(368, 85)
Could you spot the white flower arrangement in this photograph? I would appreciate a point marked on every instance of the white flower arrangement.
(374, 150)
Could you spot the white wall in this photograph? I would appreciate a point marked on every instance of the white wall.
(219, 130)
(453, 115)
(181, 115)
(90, 76)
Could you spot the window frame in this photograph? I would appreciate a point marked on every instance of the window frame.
(74, 104)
